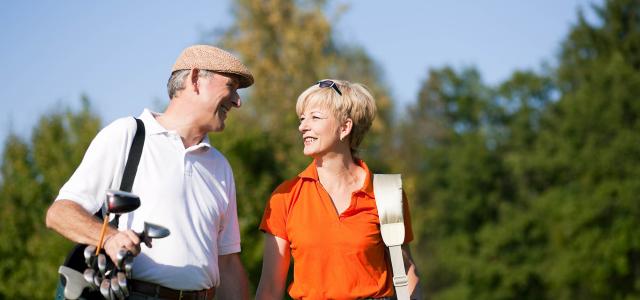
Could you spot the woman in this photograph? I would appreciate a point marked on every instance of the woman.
(326, 217)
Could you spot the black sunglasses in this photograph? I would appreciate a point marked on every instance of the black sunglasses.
(329, 83)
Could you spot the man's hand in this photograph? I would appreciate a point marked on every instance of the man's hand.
(119, 240)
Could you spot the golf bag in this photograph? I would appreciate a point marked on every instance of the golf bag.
(75, 259)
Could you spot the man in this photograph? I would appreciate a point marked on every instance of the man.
(184, 184)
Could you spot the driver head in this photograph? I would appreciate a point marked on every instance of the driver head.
(119, 202)
(155, 231)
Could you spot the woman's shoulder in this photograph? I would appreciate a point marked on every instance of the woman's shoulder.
(287, 186)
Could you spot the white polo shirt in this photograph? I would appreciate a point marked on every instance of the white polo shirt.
(189, 191)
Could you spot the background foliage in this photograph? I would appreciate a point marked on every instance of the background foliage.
(523, 190)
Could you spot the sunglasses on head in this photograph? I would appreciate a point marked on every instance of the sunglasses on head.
(331, 84)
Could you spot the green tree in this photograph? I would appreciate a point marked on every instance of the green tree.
(457, 176)
(592, 159)
(32, 175)
(535, 201)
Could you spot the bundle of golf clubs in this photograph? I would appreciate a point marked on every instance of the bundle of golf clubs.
(101, 273)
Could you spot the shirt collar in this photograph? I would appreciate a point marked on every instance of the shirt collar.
(311, 172)
(153, 127)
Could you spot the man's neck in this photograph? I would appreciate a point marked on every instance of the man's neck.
(183, 126)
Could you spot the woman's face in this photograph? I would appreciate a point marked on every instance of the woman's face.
(320, 131)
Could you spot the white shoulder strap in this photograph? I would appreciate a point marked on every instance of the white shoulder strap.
(388, 191)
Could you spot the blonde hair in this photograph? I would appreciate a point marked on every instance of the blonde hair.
(355, 103)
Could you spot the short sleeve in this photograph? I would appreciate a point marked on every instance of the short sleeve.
(274, 219)
(101, 167)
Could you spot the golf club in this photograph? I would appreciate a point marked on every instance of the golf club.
(128, 266)
(150, 231)
(102, 264)
(115, 288)
(96, 280)
(105, 289)
(74, 282)
(122, 254)
(122, 282)
(89, 274)
(153, 231)
(89, 256)
(117, 202)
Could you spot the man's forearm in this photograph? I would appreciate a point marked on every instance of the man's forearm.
(234, 283)
(73, 222)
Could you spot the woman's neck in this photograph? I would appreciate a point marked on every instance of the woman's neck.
(336, 170)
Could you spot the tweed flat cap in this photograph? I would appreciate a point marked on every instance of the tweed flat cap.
(210, 58)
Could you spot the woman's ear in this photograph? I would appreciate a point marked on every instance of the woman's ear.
(346, 128)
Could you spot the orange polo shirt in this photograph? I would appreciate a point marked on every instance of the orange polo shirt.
(335, 256)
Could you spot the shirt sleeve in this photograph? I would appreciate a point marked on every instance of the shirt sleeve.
(274, 219)
(101, 167)
(229, 238)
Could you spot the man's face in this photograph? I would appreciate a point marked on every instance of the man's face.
(218, 94)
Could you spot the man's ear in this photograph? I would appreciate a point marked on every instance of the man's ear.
(194, 79)
(346, 128)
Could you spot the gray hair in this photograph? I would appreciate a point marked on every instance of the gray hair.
(176, 81)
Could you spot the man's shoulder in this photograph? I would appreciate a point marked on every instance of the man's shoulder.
(121, 125)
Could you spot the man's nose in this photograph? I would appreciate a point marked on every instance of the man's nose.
(236, 101)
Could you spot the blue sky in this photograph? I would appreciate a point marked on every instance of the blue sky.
(120, 52)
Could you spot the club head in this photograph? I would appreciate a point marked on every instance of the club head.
(122, 253)
(74, 282)
(89, 254)
(102, 263)
(122, 282)
(105, 288)
(89, 274)
(96, 280)
(115, 288)
(154, 231)
(119, 202)
(128, 266)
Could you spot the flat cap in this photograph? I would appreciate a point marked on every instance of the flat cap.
(205, 57)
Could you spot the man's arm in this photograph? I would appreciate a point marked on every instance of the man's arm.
(73, 222)
(412, 273)
(275, 265)
(233, 279)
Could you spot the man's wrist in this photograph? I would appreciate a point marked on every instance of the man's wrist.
(106, 239)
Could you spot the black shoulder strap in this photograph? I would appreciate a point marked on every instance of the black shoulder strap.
(131, 167)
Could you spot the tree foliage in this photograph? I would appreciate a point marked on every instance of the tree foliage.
(523, 190)
(32, 174)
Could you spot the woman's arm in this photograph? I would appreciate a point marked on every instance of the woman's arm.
(275, 265)
(412, 273)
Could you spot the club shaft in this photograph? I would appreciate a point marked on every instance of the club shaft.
(102, 232)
